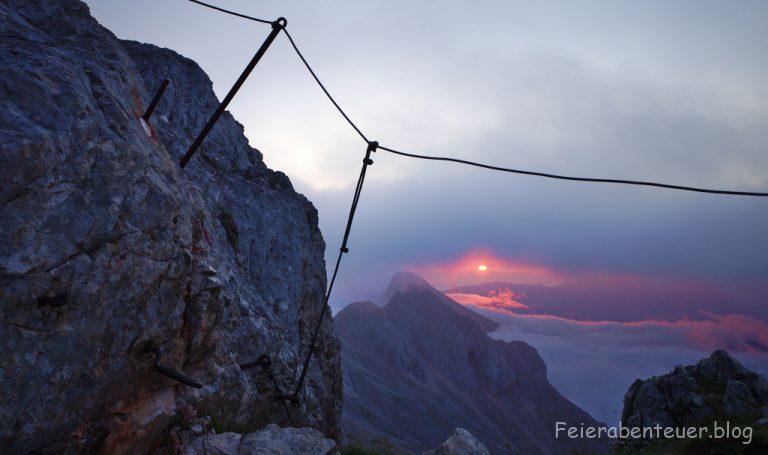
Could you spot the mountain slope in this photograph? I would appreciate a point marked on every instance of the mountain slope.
(414, 370)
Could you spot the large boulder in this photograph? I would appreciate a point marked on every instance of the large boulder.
(108, 250)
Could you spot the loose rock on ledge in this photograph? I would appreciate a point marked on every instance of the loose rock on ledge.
(272, 440)
(461, 442)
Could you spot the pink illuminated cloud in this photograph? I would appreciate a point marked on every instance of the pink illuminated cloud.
(499, 300)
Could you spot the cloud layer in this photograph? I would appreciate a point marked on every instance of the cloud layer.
(593, 362)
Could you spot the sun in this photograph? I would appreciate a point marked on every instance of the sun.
(482, 267)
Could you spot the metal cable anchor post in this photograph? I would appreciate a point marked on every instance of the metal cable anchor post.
(367, 161)
(277, 27)
(372, 147)
(265, 363)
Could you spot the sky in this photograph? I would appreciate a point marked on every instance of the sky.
(655, 90)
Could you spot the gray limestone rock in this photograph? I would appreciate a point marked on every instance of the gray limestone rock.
(107, 248)
(716, 387)
(461, 442)
(271, 440)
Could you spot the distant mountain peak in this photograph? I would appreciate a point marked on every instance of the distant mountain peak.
(406, 281)
(403, 280)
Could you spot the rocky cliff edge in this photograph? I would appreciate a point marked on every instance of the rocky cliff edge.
(108, 249)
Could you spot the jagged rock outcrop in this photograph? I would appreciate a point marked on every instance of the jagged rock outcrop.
(415, 369)
(461, 442)
(107, 248)
(718, 387)
(715, 394)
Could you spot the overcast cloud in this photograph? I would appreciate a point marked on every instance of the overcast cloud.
(671, 91)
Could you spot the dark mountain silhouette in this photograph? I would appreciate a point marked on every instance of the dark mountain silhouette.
(415, 369)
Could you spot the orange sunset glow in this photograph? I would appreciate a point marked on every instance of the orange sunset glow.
(482, 266)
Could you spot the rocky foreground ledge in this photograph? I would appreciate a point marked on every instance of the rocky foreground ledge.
(199, 438)
(717, 390)
(716, 387)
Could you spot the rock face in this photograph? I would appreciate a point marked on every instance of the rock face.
(108, 248)
(415, 369)
(461, 442)
(718, 387)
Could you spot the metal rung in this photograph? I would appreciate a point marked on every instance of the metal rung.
(171, 373)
